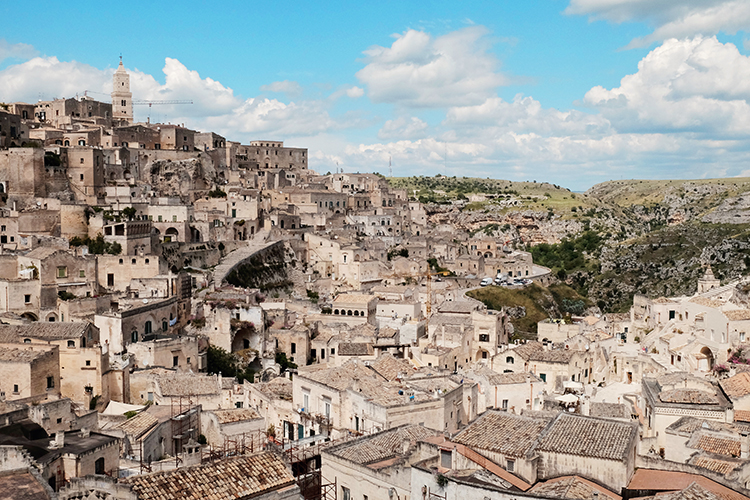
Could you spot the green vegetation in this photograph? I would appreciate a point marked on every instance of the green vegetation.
(400, 252)
(570, 254)
(228, 364)
(65, 295)
(217, 193)
(282, 360)
(52, 159)
(313, 296)
(97, 246)
(539, 303)
(129, 212)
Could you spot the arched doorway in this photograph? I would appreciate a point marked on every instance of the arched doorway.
(705, 359)
(171, 235)
(30, 316)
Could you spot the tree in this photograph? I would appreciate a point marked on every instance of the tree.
(129, 212)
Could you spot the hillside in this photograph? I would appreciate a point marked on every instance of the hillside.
(534, 303)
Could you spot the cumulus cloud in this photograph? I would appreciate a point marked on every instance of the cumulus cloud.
(355, 92)
(419, 70)
(404, 128)
(288, 87)
(16, 50)
(214, 106)
(671, 19)
(694, 85)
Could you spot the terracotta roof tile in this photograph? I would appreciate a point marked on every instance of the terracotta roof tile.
(720, 466)
(223, 480)
(736, 386)
(502, 432)
(588, 437)
(138, 425)
(719, 445)
(573, 487)
(383, 445)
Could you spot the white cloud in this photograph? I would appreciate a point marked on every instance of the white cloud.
(421, 71)
(404, 128)
(694, 85)
(355, 92)
(288, 87)
(47, 77)
(16, 50)
(672, 19)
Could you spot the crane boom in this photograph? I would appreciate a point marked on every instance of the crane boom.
(140, 103)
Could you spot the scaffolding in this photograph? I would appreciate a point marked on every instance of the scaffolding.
(185, 425)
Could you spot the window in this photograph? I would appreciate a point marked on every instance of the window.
(132, 261)
(110, 279)
(174, 218)
(543, 376)
(134, 336)
(511, 465)
(306, 401)
(81, 273)
(445, 459)
(175, 360)
(27, 298)
(62, 272)
(484, 337)
(333, 351)
(15, 388)
(50, 382)
(164, 326)
(238, 404)
(742, 336)
(509, 360)
(88, 362)
(150, 396)
(294, 348)
(345, 493)
(147, 328)
(71, 343)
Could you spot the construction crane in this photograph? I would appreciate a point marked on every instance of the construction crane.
(158, 103)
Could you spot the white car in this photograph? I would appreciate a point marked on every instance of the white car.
(485, 282)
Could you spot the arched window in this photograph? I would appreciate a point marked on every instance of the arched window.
(335, 311)
(147, 328)
(349, 312)
(134, 336)
(356, 313)
(510, 360)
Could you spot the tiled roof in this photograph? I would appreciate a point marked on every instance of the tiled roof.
(719, 445)
(339, 377)
(495, 378)
(21, 485)
(502, 432)
(390, 367)
(13, 355)
(662, 480)
(742, 415)
(721, 466)
(187, 384)
(609, 410)
(355, 349)
(588, 437)
(353, 298)
(737, 386)
(223, 480)
(235, 415)
(573, 487)
(535, 351)
(42, 253)
(138, 425)
(387, 444)
(45, 330)
(692, 492)
(738, 315)
(279, 387)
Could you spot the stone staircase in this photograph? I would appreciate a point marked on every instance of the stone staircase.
(257, 243)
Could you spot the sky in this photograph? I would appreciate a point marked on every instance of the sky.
(572, 92)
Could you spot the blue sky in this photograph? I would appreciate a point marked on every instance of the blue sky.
(573, 92)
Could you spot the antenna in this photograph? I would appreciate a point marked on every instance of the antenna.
(390, 167)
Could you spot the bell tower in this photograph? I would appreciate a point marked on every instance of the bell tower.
(122, 98)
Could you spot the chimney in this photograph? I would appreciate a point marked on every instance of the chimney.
(59, 439)
(85, 432)
(744, 446)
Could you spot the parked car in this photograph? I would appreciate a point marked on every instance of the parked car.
(486, 281)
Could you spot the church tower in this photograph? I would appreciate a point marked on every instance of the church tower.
(122, 98)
